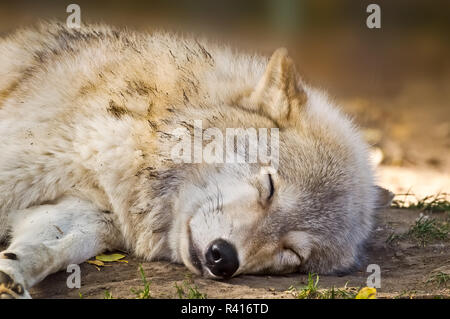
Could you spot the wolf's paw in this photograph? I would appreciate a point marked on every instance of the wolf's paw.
(11, 290)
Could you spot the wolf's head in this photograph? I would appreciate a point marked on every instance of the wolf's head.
(312, 213)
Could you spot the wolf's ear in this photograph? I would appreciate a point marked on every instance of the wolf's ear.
(384, 197)
(279, 94)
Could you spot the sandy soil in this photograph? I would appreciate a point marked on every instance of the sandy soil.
(406, 268)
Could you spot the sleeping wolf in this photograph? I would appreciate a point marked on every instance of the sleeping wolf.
(87, 131)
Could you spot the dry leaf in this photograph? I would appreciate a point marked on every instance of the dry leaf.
(367, 293)
(96, 263)
(110, 258)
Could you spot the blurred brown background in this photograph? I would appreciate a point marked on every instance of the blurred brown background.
(395, 80)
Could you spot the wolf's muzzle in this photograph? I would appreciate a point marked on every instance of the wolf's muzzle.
(222, 258)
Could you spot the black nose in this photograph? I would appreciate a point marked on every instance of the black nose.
(222, 258)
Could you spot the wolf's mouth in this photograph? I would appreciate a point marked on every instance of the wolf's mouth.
(193, 255)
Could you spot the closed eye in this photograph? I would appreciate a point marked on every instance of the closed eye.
(271, 187)
(265, 184)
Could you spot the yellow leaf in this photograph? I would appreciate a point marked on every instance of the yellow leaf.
(367, 293)
(96, 262)
(111, 257)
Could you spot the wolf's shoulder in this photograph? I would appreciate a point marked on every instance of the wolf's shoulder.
(53, 41)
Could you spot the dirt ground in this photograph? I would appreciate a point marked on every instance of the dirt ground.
(406, 270)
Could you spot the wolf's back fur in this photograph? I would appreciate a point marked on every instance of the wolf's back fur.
(90, 112)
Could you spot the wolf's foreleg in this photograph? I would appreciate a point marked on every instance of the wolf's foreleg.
(48, 238)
